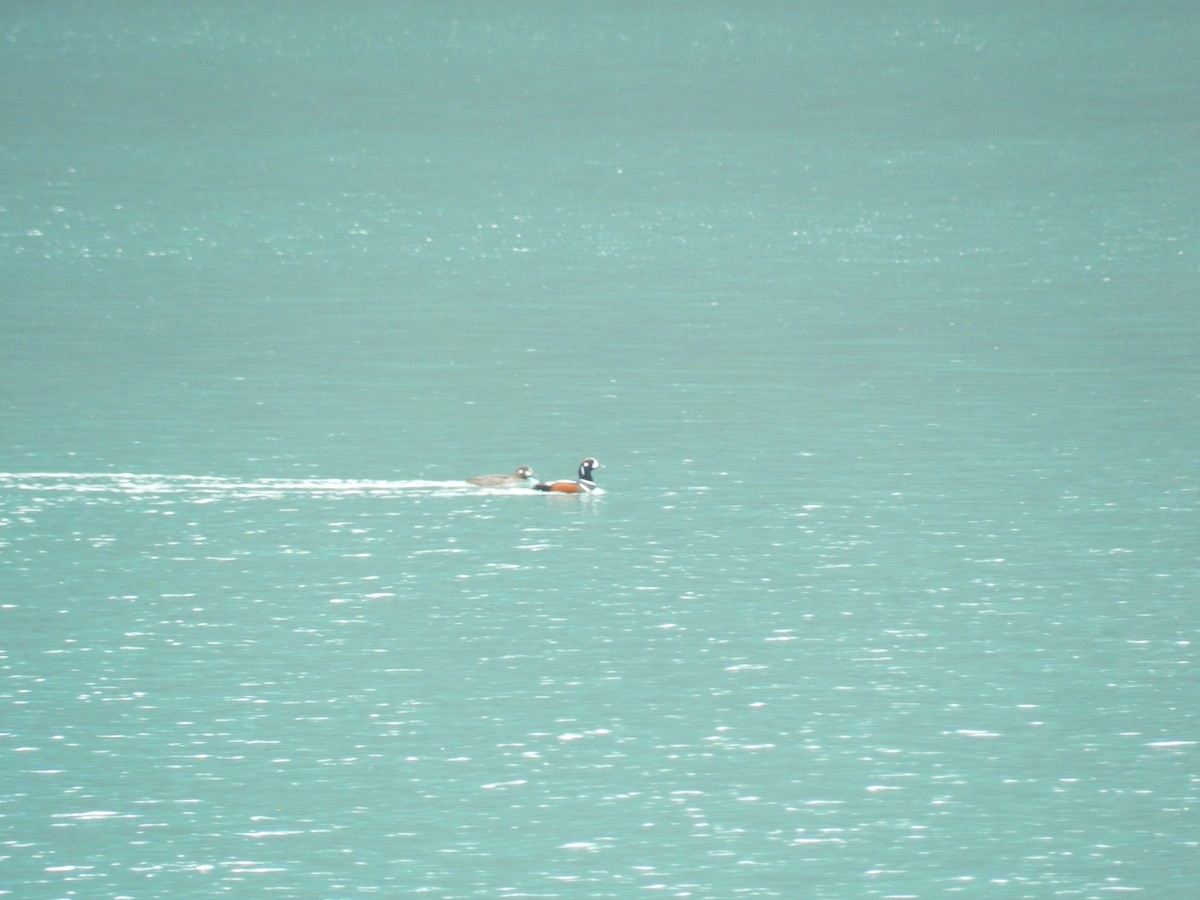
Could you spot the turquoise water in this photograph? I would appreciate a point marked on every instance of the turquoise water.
(882, 321)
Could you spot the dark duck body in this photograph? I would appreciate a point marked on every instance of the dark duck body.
(584, 484)
(522, 475)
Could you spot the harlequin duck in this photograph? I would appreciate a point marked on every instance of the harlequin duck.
(521, 476)
(584, 485)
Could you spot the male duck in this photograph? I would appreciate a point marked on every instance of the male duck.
(583, 485)
(521, 476)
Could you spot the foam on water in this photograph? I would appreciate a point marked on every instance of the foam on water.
(202, 487)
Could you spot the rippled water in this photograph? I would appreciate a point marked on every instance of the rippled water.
(324, 686)
(882, 323)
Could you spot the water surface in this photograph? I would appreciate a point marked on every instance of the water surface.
(882, 322)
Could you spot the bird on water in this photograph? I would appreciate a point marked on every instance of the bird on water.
(522, 475)
(583, 484)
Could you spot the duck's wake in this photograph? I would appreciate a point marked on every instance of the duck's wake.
(201, 487)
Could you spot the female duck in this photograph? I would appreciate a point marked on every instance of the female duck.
(521, 476)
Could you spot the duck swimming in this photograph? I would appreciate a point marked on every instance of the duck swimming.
(584, 484)
(520, 476)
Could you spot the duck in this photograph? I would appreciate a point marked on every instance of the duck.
(584, 484)
(522, 475)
